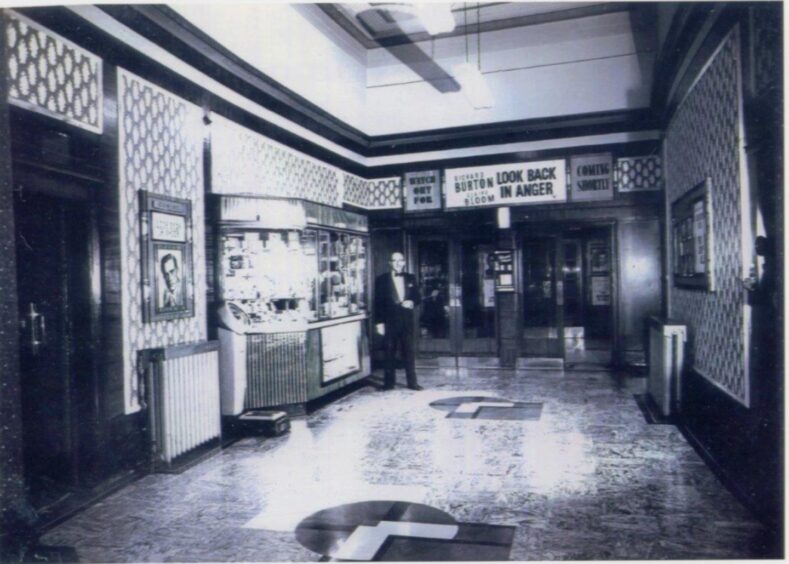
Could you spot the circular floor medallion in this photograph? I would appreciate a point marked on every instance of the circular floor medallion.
(367, 530)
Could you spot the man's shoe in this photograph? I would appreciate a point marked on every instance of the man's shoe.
(385, 388)
(416, 387)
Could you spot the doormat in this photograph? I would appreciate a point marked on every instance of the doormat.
(481, 407)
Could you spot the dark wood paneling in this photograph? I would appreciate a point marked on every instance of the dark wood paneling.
(595, 123)
(110, 240)
(638, 148)
(639, 268)
(739, 442)
(12, 495)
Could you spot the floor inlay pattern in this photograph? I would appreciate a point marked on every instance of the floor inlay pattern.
(481, 407)
(589, 480)
(400, 531)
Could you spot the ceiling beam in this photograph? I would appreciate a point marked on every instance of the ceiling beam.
(368, 39)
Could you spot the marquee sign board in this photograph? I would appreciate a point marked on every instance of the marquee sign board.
(507, 185)
(592, 178)
(422, 190)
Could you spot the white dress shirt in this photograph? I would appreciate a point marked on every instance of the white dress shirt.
(399, 284)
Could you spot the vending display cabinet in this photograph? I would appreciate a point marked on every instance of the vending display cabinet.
(292, 284)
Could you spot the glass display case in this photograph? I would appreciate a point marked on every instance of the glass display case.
(342, 272)
(291, 281)
(264, 274)
(282, 265)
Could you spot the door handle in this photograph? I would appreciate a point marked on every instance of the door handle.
(35, 328)
(42, 329)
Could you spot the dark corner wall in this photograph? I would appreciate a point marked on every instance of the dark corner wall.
(12, 493)
(726, 126)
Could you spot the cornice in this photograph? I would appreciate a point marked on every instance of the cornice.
(172, 33)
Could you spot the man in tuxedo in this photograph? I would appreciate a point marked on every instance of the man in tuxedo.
(396, 295)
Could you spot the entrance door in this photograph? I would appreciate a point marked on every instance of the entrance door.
(457, 316)
(567, 296)
(542, 298)
(53, 274)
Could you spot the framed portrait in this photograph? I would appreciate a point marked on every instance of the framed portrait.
(167, 269)
(693, 257)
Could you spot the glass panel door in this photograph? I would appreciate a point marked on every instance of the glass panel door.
(478, 298)
(573, 276)
(434, 276)
(542, 298)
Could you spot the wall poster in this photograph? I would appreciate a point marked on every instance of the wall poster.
(506, 185)
(503, 267)
(693, 260)
(167, 270)
(601, 290)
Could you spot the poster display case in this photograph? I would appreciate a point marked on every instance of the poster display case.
(292, 288)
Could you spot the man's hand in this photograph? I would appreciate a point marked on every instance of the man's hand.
(408, 304)
(380, 329)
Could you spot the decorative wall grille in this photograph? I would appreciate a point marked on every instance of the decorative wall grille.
(51, 75)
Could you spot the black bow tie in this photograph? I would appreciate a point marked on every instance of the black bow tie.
(401, 274)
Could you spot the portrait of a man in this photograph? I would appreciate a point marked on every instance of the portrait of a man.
(169, 281)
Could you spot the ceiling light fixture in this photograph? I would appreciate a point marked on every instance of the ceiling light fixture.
(472, 83)
(436, 18)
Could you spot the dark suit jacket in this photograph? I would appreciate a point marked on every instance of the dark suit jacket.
(387, 304)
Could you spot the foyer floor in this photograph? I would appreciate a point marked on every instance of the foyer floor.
(522, 465)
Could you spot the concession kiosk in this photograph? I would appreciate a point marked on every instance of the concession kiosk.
(292, 291)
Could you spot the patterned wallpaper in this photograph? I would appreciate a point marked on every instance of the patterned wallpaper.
(703, 140)
(246, 162)
(375, 194)
(50, 75)
(634, 174)
(243, 161)
(160, 149)
(355, 190)
(384, 193)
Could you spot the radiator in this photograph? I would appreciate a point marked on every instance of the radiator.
(666, 352)
(184, 420)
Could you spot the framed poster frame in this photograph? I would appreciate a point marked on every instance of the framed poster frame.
(692, 236)
(167, 268)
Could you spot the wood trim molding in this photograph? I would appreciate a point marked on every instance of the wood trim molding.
(172, 32)
(696, 31)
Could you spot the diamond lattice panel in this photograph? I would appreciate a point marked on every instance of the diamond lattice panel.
(639, 173)
(384, 193)
(355, 191)
(701, 141)
(245, 162)
(160, 144)
(51, 75)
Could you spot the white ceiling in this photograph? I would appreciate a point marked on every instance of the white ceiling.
(587, 63)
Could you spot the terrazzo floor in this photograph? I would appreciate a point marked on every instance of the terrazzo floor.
(588, 479)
